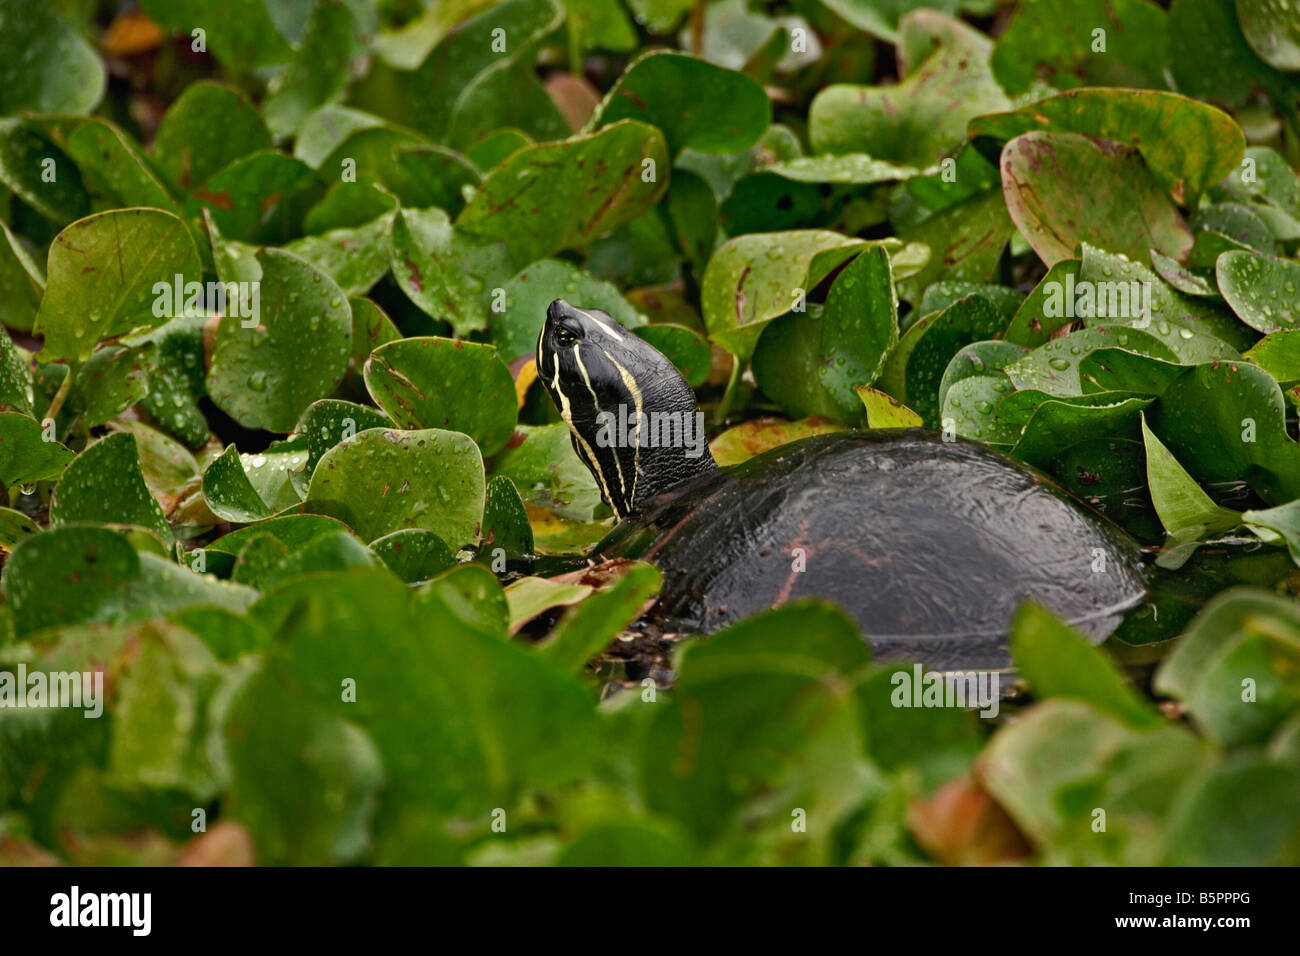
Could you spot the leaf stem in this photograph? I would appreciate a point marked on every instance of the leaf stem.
(737, 368)
(61, 395)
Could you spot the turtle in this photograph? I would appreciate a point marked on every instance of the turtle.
(929, 542)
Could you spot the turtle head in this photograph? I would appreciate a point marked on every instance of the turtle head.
(631, 415)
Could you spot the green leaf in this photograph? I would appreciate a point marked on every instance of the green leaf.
(1272, 31)
(206, 128)
(914, 369)
(259, 197)
(330, 421)
(505, 521)
(884, 411)
(241, 34)
(742, 442)
(114, 168)
(1034, 46)
(1054, 367)
(304, 782)
(63, 575)
(965, 241)
(1261, 290)
(1242, 814)
(753, 279)
(102, 274)
(1058, 662)
(25, 155)
(1188, 146)
(448, 273)
(548, 472)
(45, 65)
(268, 368)
(354, 258)
(25, 456)
(229, 493)
(414, 554)
(443, 383)
(382, 481)
(318, 71)
(587, 629)
(1066, 188)
(105, 484)
(918, 121)
(1185, 510)
(111, 381)
(685, 348)
(22, 282)
(727, 111)
(556, 196)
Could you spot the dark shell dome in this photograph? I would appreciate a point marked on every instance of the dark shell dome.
(930, 545)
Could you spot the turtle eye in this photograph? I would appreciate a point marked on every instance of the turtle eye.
(564, 338)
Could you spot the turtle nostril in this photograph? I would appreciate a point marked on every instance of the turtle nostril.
(558, 309)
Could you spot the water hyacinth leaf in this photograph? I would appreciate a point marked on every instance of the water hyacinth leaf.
(445, 272)
(1066, 188)
(516, 327)
(1188, 145)
(753, 279)
(106, 484)
(1185, 510)
(207, 128)
(371, 328)
(1240, 814)
(267, 368)
(528, 597)
(15, 377)
(275, 735)
(859, 326)
(1194, 329)
(229, 493)
(939, 296)
(293, 531)
(329, 421)
(1032, 326)
(259, 197)
(45, 65)
(505, 521)
(473, 595)
(434, 176)
(541, 462)
(728, 111)
(64, 574)
(914, 369)
(742, 442)
(970, 407)
(965, 242)
(505, 95)
(885, 411)
(587, 629)
(1236, 222)
(22, 282)
(444, 383)
(1272, 188)
(102, 273)
(1272, 30)
(414, 554)
(856, 169)
(1117, 369)
(111, 381)
(319, 69)
(354, 258)
(347, 205)
(241, 33)
(25, 456)
(113, 166)
(176, 378)
(556, 196)
(1279, 355)
(1058, 424)
(1182, 278)
(979, 359)
(1261, 290)
(1034, 47)
(1059, 662)
(25, 151)
(918, 121)
(1241, 635)
(14, 527)
(383, 481)
(1054, 366)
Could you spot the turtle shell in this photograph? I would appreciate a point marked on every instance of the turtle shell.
(930, 545)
